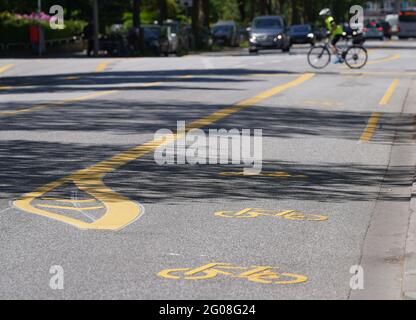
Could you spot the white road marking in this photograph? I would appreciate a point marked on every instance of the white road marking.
(207, 63)
(4, 210)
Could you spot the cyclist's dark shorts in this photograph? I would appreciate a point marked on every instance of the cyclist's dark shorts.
(336, 39)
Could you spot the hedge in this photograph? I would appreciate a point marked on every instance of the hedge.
(14, 29)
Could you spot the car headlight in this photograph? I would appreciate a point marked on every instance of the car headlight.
(253, 38)
(310, 35)
(279, 37)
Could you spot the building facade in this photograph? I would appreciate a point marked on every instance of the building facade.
(388, 6)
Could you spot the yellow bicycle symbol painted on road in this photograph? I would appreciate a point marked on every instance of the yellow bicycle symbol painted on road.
(287, 214)
(259, 274)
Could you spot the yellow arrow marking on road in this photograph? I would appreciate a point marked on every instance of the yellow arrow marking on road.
(121, 211)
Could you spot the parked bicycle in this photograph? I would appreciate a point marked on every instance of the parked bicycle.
(355, 56)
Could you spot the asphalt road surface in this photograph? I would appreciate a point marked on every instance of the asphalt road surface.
(83, 200)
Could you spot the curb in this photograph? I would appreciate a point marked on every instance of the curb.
(389, 47)
(409, 276)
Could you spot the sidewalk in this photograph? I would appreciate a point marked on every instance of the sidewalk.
(409, 274)
(409, 271)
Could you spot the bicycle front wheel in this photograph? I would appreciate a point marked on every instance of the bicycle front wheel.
(356, 57)
(319, 57)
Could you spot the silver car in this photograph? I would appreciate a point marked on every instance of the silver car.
(269, 32)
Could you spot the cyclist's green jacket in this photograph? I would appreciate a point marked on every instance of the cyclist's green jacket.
(329, 25)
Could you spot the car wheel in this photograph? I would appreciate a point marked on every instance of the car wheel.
(253, 51)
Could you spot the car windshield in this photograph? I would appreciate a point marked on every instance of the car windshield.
(407, 16)
(222, 29)
(301, 29)
(174, 28)
(267, 23)
(151, 32)
(373, 24)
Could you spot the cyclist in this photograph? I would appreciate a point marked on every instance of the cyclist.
(335, 32)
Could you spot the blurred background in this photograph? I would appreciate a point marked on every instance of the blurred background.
(164, 27)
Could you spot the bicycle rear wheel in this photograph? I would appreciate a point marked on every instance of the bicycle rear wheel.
(356, 57)
(319, 57)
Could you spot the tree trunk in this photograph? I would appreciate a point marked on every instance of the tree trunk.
(242, 8)
(282, 6)
(163, 11)
(96, 28)
(137, 25)
(196, 23)
(295, 12)
(206, 12)
(253, 8)
(263, 7)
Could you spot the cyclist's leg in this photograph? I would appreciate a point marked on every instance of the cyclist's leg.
(335, 39)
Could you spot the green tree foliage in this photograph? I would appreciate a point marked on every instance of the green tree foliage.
(243, 11)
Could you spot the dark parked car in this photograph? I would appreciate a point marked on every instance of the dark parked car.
(373, 30)
(226, 33)
(320, 34)
(387, 30)
(269, 32)
(177, 38)
(302, 34)
(155, 39)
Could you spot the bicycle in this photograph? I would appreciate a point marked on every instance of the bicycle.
(355, 56)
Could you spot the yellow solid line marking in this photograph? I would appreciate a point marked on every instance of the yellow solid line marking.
(391, 58)
(121, 211)
(385, 100)
(58, 103)
(5, 87)
(375, 116)
(102, 66)
(5, 68)
(151, 84)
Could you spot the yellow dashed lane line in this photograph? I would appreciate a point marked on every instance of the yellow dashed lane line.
(6, 67)
(59, 103)
(371, 127)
